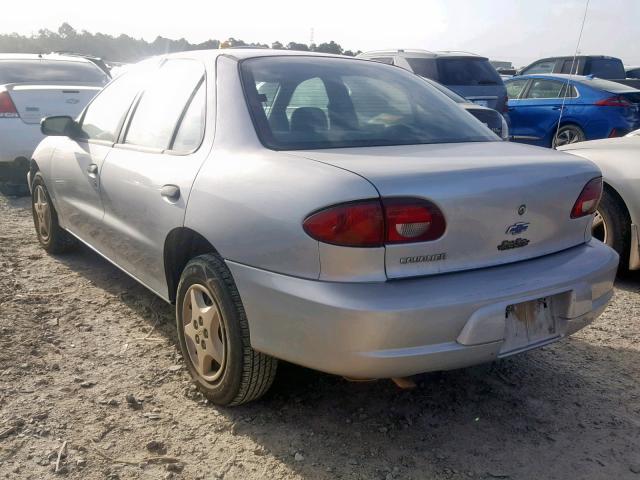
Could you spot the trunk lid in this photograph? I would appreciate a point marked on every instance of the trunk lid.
(36, 101)
(502, 202)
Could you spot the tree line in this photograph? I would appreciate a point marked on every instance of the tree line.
(124, 48)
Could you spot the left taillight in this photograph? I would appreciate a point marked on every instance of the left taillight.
(588, 200)
(7, 107)
(374, 223)
(354, 224)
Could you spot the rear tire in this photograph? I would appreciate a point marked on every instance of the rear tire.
(213, 333)
(612, 225)
(52, 237)
(567, 134)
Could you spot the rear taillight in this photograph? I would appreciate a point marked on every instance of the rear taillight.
(357, 224)
(412, 220)
(616, 101)
(7, 108)
(372, 223)
(588, 199)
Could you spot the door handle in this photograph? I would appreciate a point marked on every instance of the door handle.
(170, 192)
(92, 170)
(557, 108)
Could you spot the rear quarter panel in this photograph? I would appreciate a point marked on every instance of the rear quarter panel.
(250, 202)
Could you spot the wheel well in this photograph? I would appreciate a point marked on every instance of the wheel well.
(614, 193)
(33, 168)
(181, 245)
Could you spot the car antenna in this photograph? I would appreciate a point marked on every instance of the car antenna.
(573, 63)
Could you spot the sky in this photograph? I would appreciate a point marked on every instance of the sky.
(514, 30)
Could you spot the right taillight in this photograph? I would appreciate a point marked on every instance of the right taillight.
(7, 108)
(616, 101)
(588, 199)
(374, 223)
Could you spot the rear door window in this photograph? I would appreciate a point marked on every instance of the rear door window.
(163, 102)
(467, 71)
(191, 129)
(569, 66)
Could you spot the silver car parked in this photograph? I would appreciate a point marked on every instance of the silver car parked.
(336, 213)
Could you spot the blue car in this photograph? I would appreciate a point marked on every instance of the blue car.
(593, 108)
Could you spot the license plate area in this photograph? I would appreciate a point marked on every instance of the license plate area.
(529, 323)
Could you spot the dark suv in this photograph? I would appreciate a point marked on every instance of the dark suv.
(601, 66)
(470, 76)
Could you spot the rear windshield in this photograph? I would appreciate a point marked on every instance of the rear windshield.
(606, 68)
(467, 71)
(25, 71)
(333, 103)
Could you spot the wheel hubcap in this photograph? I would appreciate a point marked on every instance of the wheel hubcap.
(599, 227)
(204, 333)
(43, 213)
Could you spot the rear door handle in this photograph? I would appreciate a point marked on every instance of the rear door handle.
(92, 170)
(170, 192)
(557, 108)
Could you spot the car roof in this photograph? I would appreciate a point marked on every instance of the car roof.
(587, 80)
(243, 53)
(409, 52)
(571, 56)
(43, 56)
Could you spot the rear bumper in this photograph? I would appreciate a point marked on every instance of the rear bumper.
(404, 327)
(18, 139)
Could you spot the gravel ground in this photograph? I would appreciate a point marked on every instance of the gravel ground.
(91, 382)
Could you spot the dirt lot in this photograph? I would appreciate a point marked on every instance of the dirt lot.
(88, 359)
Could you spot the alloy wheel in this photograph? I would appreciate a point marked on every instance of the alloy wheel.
(204, 333)
(43, 213)
(566, 137)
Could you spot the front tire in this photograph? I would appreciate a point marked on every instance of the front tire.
(612, 225)
(213, 332)
(52, 237)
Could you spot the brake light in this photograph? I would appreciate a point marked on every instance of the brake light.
(588, 199)
(616, 101)
(412, 220)
(7, 108)
(356, 224)
(372, 223)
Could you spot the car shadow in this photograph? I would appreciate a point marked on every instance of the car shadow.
(483, 422)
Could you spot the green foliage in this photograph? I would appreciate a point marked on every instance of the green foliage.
(124, 48)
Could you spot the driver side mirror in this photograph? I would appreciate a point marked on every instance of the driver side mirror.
(60, 126)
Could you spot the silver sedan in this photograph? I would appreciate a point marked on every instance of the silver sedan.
(336, 213)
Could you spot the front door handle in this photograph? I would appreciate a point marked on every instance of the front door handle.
(92, 170)
(170, 192)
